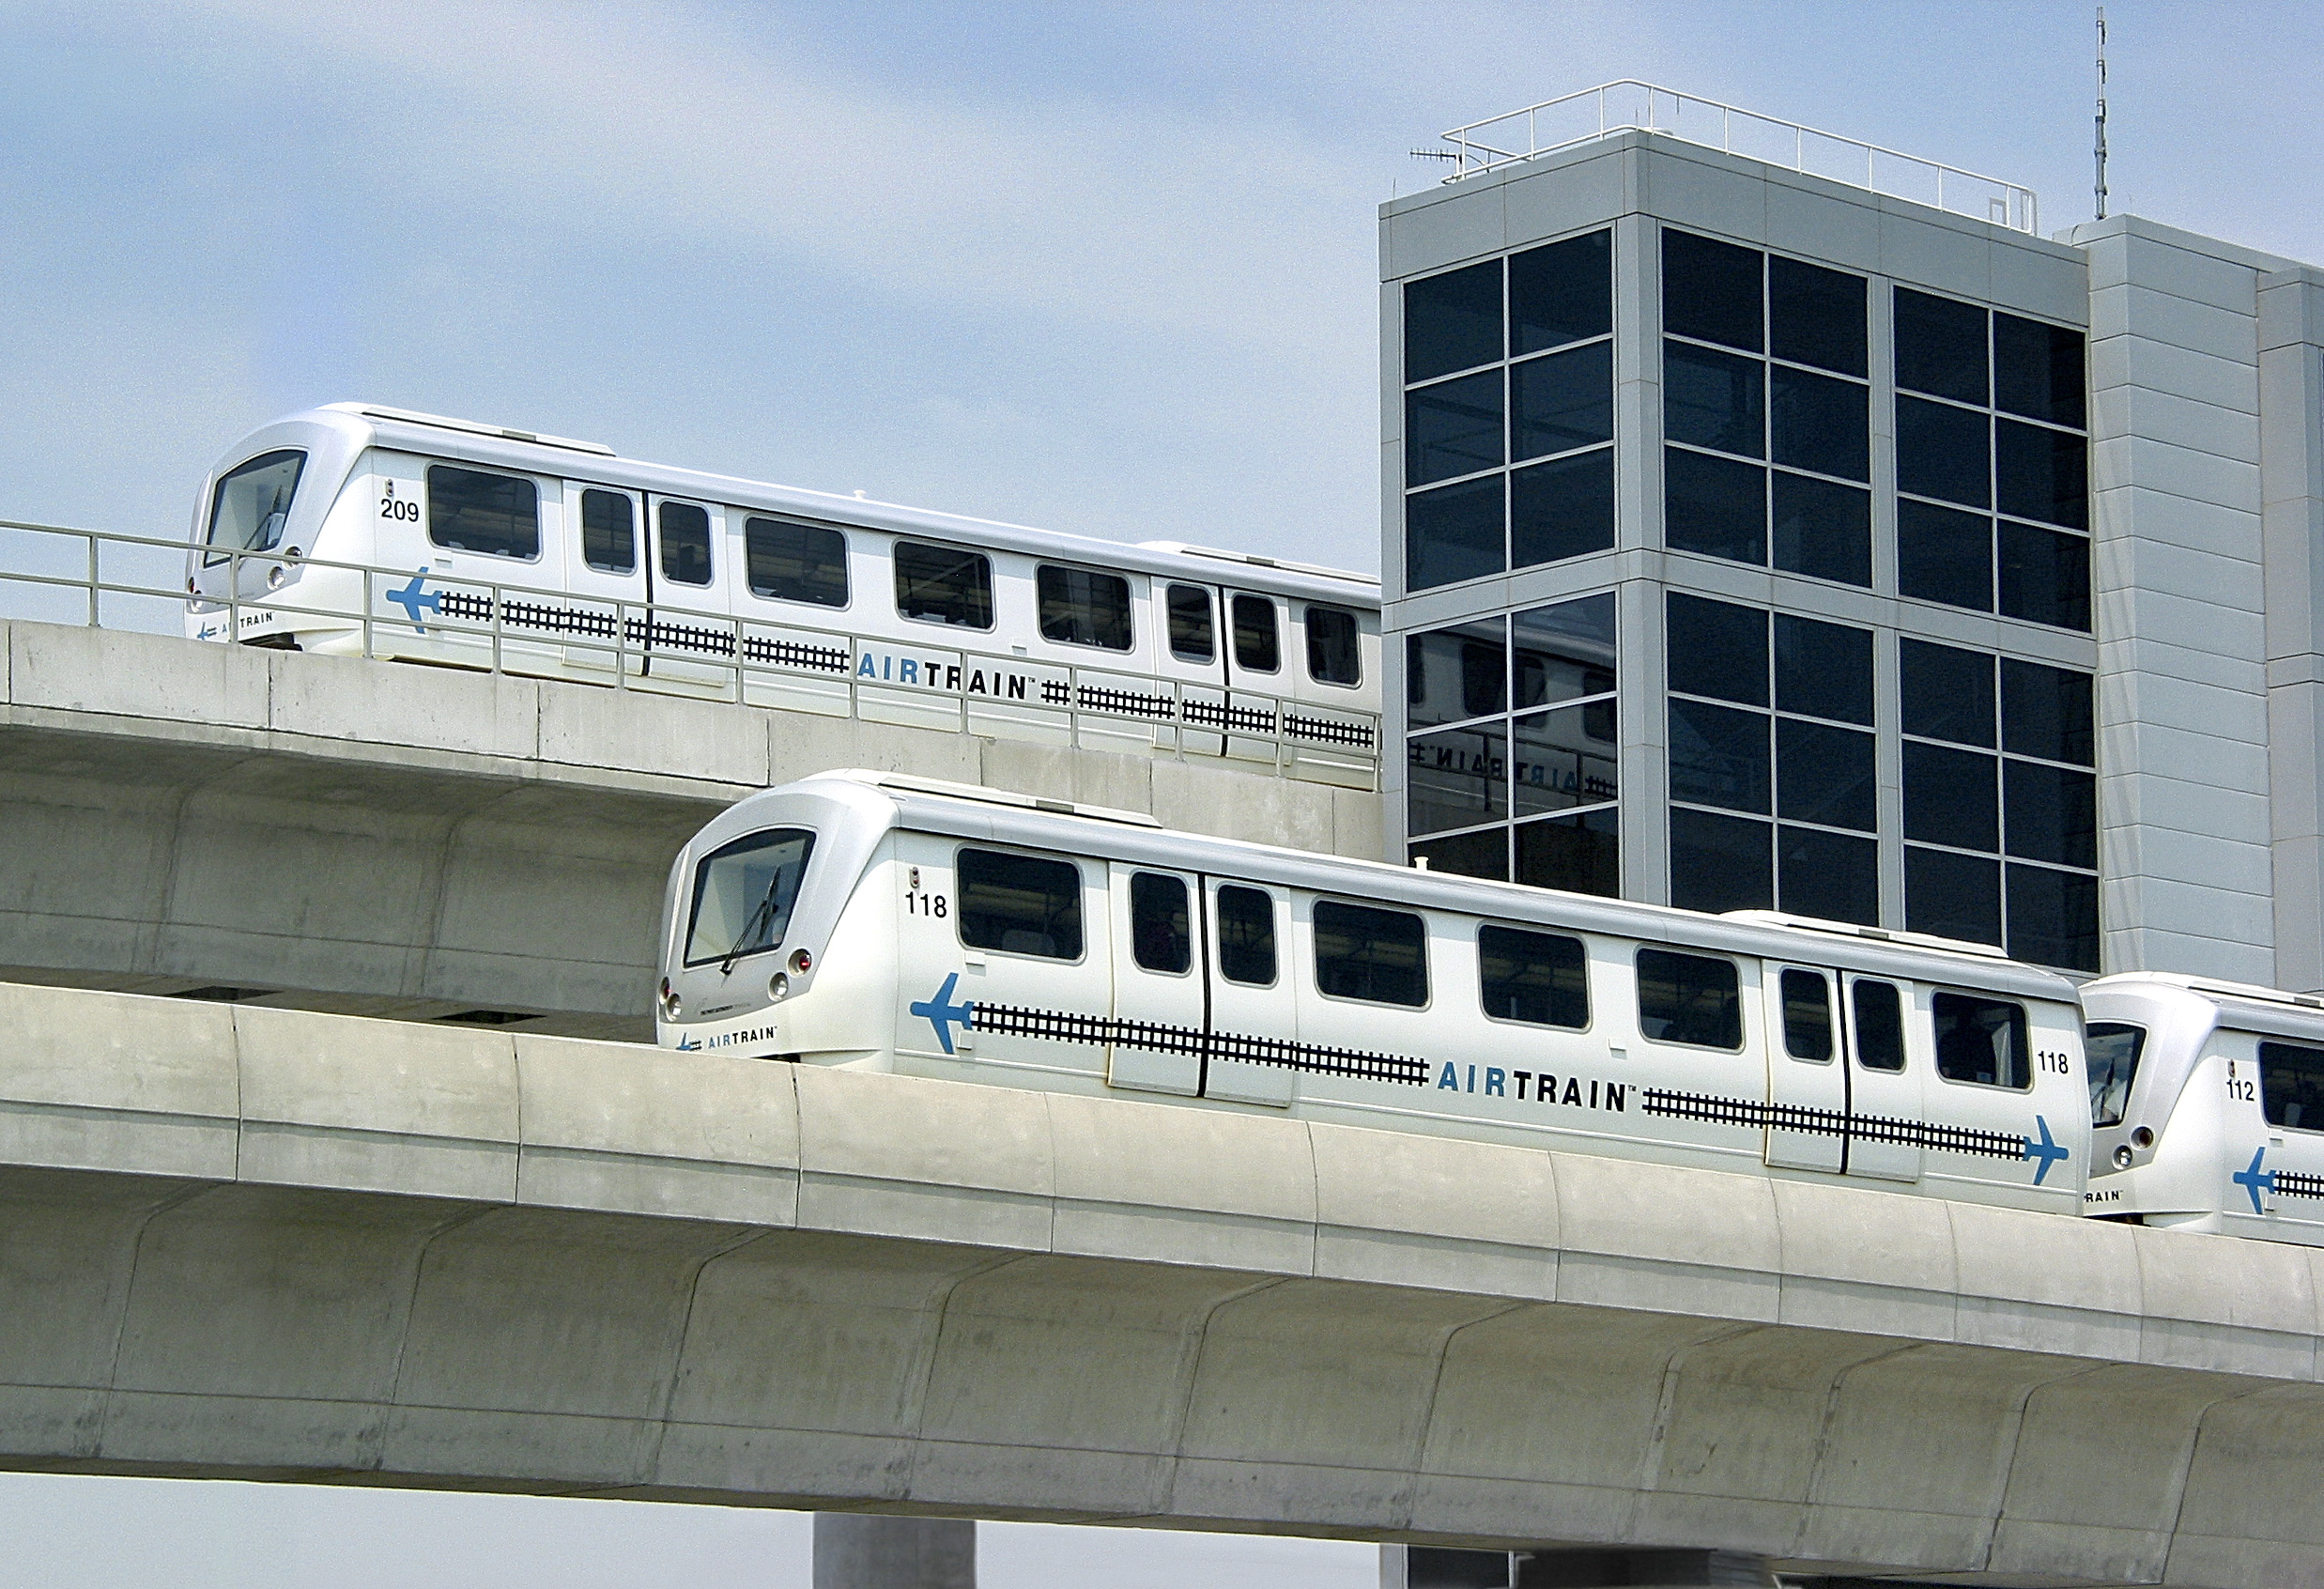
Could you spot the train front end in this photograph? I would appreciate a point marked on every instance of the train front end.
(264, 518)
(771, 947)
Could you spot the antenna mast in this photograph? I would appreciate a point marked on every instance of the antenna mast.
(2098, 152)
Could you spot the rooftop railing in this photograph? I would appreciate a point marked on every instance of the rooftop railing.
(1633, 106)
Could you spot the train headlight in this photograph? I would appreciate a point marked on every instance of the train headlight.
(779, 987)
(671, 1003)
(274, 577)
(2123, 1156)
(800, 960)
(2143, 1138)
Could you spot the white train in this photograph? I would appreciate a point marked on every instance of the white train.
(891, 923)
(364, 530)
(2207, 1106)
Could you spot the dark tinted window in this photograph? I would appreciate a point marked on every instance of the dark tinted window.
(1945, 555)
(1452, 674)
(1020, 905)
(1940, 345)
(1824, 775)
(1689, 998)
(1247, 935)
(1583, 852)
(493, 514)
(2054, 917)
(1947, 693)
(1380, 956)
(796, 562)
(1456, 778)
(2051, 813)
(1711, 290)
(1453, 427)
(2040, 473)
(1561, 293)
(1949, 797)
(1082, 607)
(2291, 1085)
(1715, 506)
(1823, 528)
(2045, 576)
(1815, 316)
(2110, 1051)
(1980, 1040)
(685, 542)
(1720, 862)
(1718, 756)
(1455, 533)
(1191, 639)
(943, 585)
(1333, 655)
(742, 894)
(1562, 402)
(1879, 1027)
(1815, 422)
(1830, 875)
(1482, 853)
(1538, 978)
(1823, 669)
(1711, 399)
(1951, 895)
(1564, 651)
(252, 505)
(1256, 649)
(1563, 759)
(1452, 322)
(1806, 1015)
(1944, 452)
(1562, 509)
(2046, 712)
(2037, 370)
(609, 533)
(1160, 938)
(1719, 649)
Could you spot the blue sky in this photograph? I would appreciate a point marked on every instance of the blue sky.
(1102, 267)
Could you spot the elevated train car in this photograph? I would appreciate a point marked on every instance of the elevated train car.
(364, 530)
(895, 924)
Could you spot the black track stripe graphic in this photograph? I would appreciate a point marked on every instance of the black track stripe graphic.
(1059, 1025)
(1757, 1113)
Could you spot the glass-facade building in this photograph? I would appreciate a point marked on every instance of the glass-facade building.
(1739, 546)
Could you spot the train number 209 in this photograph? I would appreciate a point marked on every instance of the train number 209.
(400, 509)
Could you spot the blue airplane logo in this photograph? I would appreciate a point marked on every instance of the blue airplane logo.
(2251, 1180)
(689, 1043)
(940, 1012)
(2046, 1151)
(414, 602)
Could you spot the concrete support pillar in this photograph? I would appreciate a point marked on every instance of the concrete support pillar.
(1419, 1567)
(863, 1550)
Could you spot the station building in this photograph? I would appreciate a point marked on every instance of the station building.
(1758, 538)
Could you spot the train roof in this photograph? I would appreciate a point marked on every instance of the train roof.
(2273, 1002)
(929, 805)
(497, 446)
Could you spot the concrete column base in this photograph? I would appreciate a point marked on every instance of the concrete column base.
(864, 1550)
(1419, 1566)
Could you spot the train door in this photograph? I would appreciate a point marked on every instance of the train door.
(2290, 1083)
(479, 528)
(1332, 738)
(1189, 652)
(1254, 1012)
(605, 572)
(1884, 1085)
(690, 631)
(1031, 940)
(1158, 981)
(1807, 1074)
(1980, 1107)
(1255, 678)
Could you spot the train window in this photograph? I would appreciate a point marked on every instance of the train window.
(1806, 1016)
(943, 585)
(1689, 998)
(2110, 1051)
(1191, 639)
(1161, 936)
(1020, 905)
(2291, 1086)
(1255, 648)
(609, 533)
(1247, 935)
(496, 514)
(742, 894)
(1379, 956)
(685, 543)
(1879, 1027)
(252, 505)
(1081, 607)
(796, 562)
(1333, 654)
(1538, 978)
(1980, 1040)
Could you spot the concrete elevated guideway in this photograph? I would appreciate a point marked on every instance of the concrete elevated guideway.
(267, 1243)
(379, 838)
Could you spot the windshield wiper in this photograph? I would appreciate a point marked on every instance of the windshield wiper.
(757, 916)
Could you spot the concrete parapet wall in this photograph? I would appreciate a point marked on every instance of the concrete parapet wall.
(270, 1243)
(381, 839)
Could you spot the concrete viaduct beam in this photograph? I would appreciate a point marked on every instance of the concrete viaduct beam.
(388, 840)
(269, 1244)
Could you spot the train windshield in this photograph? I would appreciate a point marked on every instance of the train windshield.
(252, 505)
(742, 894)
(2110, 1049)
